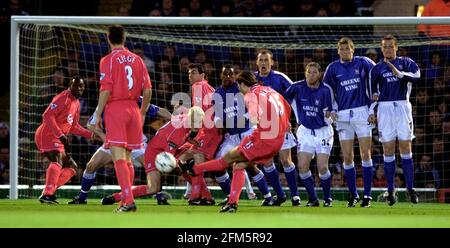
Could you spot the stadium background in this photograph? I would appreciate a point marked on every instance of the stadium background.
(80, 54)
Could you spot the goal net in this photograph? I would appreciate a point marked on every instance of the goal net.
(48, 51)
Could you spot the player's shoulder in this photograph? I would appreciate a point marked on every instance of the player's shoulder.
(281, 75)
(298, 84)
(406, 59)
(333, 64)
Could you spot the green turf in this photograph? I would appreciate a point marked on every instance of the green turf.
(30, 213)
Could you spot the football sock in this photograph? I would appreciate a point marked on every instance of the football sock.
(408, 170)
(325, 182)
(51, 178)
(65, 175)
(389, 171)
(350, 178)
(236, 185)
(86, 183)
(123, 177)
(224, 183)
(274, 178)
(131, 169)
(261, 182)
(213, 165)
(291, 177)
(308, 182)
(367, 176)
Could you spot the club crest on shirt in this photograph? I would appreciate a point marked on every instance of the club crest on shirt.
(317, 102)
(70, 119)
(248, 145)
(56, 145)
(356, 71)
(53, 106)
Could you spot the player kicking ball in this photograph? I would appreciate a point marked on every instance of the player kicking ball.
(270, 113)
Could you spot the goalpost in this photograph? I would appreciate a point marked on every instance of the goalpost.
(46, 48)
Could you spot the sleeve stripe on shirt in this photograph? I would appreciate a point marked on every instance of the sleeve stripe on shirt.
(413, 75)
(283, 75)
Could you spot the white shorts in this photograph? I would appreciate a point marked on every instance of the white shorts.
(289, 141)
(231, 141)
(351, 121)
(315, 141)
(134, 153)
(395, 121)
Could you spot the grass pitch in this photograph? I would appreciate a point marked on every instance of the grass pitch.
(31, 213)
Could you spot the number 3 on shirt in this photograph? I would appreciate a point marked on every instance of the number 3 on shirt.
(129, 71)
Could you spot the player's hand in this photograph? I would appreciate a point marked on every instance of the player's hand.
(334, 116)
(396, 72)
(99, 136)
(65, 141)
(372, 119)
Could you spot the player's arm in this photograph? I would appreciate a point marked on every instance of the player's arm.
(49, 116)
(146, 98)
(411, 73)
(328, 103)
(105, 89)
(79, 130)
(164, 114)
(146, 92)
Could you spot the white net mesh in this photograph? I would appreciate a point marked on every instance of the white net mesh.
(51, 54)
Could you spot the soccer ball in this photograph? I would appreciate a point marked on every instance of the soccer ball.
(165, 162)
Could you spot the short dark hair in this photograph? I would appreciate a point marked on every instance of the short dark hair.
(116, 34)
(197, 66)
(390, 37)
(76, 79)
(247, 78)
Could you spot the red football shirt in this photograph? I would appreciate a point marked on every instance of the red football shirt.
(63, 114)
(202, 94)
(124, 74)
(269, 108)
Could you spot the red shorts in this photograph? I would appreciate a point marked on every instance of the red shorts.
(46, 141)
(209, 140)
(123, 123)
(154, 147)
(258, 150)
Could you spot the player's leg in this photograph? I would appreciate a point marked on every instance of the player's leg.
(365, 144)
(289, 167)
(236, 187)
(291, 175)
(205, 194)
(304, 159)
(100, 158)
(68, 170)
(51, 177)
(349, 167)
(389, 169)
(408, 168)
(325, 178)
(274, 178)
(249, 188)
(119, 156)
(260, 181)
(222, 177)
(323, 151)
